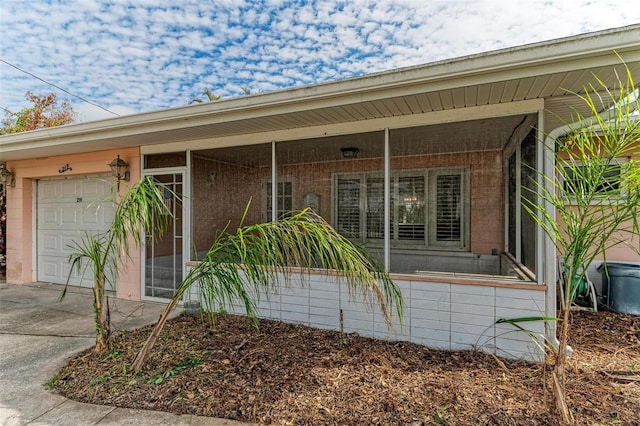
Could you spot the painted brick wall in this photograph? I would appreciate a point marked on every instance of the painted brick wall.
(222, 201)
(439, 313)
(220, 194)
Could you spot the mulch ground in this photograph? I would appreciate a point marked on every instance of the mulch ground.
(291, 374)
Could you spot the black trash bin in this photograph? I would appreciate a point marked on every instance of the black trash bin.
(621, 286)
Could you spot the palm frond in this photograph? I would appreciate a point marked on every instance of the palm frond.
(263, 253)
(240, 266)
(141, 211)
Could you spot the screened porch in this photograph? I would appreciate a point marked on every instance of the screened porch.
(438, 199)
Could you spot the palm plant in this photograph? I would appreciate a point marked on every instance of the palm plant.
(254, 258)
(594, 197)
(141, 210)
(211, 97)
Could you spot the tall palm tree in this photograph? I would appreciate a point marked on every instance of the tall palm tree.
(256, 257)
(141, 210)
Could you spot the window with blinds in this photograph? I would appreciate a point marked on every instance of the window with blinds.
(427, 207)
(348, 212)
(448, 208)
(410, 209)
(375, 208)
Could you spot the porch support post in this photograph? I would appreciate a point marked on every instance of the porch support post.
(548, 249)
(387, 202)
(518, 203)
(274, 183)
(187, 230)
(541, 237)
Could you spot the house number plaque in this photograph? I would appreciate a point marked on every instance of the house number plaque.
(65, 168)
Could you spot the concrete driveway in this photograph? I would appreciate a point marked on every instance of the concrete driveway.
(38, 334)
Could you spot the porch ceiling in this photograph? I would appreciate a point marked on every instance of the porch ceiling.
(473, 135)
(549, 71)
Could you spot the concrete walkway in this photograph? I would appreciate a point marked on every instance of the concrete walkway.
(38, 334)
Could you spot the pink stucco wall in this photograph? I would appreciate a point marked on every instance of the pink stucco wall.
(21, 236)
(628, 248)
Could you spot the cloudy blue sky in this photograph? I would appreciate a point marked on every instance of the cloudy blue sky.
(135, 56)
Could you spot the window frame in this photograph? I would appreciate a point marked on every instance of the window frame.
(464, 206)
(607, 197)
(430, 175)
(267, 196)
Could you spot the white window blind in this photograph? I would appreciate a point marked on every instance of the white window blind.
(427, 207)
(348, 212)
(411, 208)
(375, 208)
(448, 208)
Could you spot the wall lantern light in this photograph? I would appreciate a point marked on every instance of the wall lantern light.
(6, 177)
(119, 169)
(350, 153)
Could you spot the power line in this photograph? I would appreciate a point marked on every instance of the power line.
(58, 87)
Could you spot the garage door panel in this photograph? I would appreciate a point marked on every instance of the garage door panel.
(52, 243)
(49, 269)
(60, 268)
(90, 218)
(107, 212)
(48, 191)
(52, 270)
(68, 241)
(94, 215)
(96, 190)
(48, 218)
(67, 209)
(92, 189)
(72, 217)
(69, 190)
(76, 277)
(68, 215)
(48, 242)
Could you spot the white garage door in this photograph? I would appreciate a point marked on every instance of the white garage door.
(67, 208)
